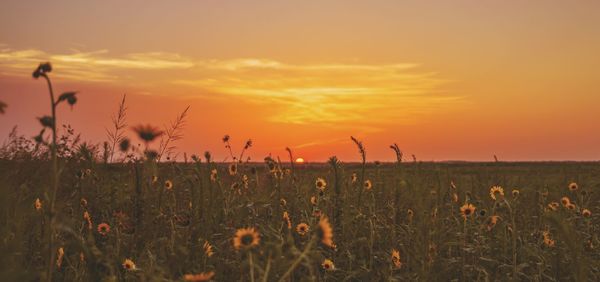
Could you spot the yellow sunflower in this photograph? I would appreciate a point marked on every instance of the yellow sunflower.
(467, 210)
(328, 265)
(208, 249)
(496, 192)
(128, 264)
(246, 238)
(302, 229)
(547, 240)
(325, 232)
(320, 183)
(573, 186)
(565, 201)
(571, 206)
(233, 169)
(203, 276)
(586, 213)
(169, 184)
(492, 221)
(396, 259)
(368, 185)
(37, 204)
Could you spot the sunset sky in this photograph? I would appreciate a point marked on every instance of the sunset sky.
(446, 80)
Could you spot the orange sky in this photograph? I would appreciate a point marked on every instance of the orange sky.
(451, 80)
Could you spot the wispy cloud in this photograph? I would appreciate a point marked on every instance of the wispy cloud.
(351, 95)
(89, 66)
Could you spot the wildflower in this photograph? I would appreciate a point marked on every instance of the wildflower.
(496, 191)
(320, 184)
(60, 255)
(129, 265)
(208, 249)
(203, 276)
(455, 197)
(124, 145)
(396, 258)
(515, 193)
(233, 169)
(147, 132)
(246, 238)
(354, 178)
(278, 173)
(328, 265)
(586, 213)
(313, 200)
(37, 204)
(42, 69)
(169, 184)
(282, 202)
(213, 175)
(325, 232)
(103, 229)
(88, 218)
(565, 201)
(467, 210)
(302, 229)
(368, 185)
(553, 206)
(547, 240)
(492, 221)
(410, 214)
(571, 206)
(286, 217)
(573, 187)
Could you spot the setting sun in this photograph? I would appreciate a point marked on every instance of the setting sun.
(299, 160)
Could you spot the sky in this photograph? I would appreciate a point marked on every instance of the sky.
(445, 80)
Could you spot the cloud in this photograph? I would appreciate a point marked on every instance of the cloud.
(350, 95)
(96, 66)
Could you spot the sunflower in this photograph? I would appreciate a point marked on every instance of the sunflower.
(320, 184)
(571, 206)
(286, 218)
(492, 221)
(302, 229)
(213, 175)
(313, 200)
(396, 259)
(354, 177)
(496, 191)
(246, 238)
(515, 193)
(60, 255)
(169, 184)
(37, 204)
(328, 265)
(467, 210)
(147, 132)
(565, 201)
(203, 276)
(233, 169)
(368, 185)
(455, 197)
(88, 218)
(586, 213)
(325, 232)
(410, 214)
(103, 229)
(547, 240)
(128, 264)
(208, 249)
(553, 206)
(573, 187)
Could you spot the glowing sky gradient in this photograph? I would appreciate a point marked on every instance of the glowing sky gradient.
(446, 80)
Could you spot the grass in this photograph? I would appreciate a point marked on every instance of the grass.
(138, 219)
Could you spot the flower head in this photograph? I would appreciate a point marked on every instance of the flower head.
(208, 249)
(320, 183)
(103, 229)
(328, 265)
(37, 204)
(573, 186)
(496, 192)
(396, 258)
(129, 265)
(325, 232)
(233, 169)
(147, 132)
(467, 210)
(302, 229)
(246, 238)
(586, 213)
(169, 184)
(368, 185)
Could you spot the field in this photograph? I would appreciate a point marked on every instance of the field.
(142, 221)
